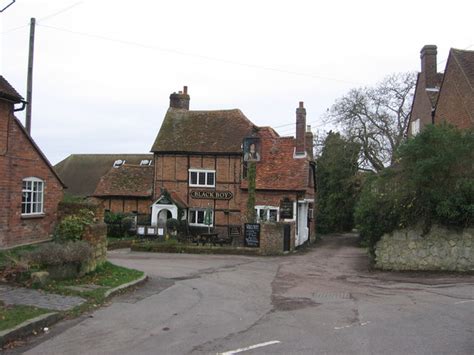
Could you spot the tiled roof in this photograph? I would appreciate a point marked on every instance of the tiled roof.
(126, 180)
(7, 91)
(278, 169)
(82, 172)
(202, 131)
(465, 60)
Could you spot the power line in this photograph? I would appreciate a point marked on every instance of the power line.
(44, 18)
(196, 55)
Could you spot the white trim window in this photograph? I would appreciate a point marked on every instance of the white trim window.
(196, 217)
(267, 213)
(415, 127)
(202, 178)
(32, 196)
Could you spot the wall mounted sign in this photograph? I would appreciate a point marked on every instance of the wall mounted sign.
(252, 235)
(211, 195)
(286, 209)
(251, 147)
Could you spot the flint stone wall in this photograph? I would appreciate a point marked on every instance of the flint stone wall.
(440, 249)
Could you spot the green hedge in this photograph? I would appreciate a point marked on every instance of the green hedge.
(431, 182)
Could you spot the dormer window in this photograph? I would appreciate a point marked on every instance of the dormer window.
(202, 178)
(118, 163)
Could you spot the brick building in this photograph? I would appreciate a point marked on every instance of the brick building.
(30, 189)
(127, 189)
(447, 97)
(199, 164)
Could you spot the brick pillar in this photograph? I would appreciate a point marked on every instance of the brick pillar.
(300, 129)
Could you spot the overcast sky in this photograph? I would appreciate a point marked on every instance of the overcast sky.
(104, 69)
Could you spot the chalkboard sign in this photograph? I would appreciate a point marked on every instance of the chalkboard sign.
(252, 235)
(286, 209)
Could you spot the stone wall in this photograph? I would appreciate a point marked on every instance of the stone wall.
(271, 238)
(440, 249)
(95, 234)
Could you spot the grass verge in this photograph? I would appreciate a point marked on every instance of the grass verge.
(12, 315)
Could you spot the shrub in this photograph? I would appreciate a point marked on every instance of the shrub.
(72, 227)
(431, 182)
(59, 254)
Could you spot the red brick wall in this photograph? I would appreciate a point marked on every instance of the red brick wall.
(19, 160)
(421, 105)
(171, 172)
(456, 98)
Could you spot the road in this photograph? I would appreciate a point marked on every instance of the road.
(320, 301)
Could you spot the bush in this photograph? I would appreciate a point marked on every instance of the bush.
(59, 254)
(432, 182)
(72, 227)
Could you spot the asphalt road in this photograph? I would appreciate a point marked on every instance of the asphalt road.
(320, 301)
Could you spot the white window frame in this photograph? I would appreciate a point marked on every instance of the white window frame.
(415, 127)
(195, 223)
(205, 172)
(33, 206)
(267, 208)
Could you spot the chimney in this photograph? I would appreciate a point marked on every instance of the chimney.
(300, 130)
(428, 65)
(180, 99)
(309, 142)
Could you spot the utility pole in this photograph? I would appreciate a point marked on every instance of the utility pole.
(29, 84)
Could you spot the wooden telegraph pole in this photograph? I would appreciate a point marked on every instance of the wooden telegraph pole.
(29, 85)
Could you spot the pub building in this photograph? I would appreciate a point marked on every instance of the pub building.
(200, 163)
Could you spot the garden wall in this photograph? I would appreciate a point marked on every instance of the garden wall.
(271, 238)
(95, 234)
(440, 249)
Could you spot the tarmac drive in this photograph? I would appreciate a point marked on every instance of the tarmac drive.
(319, 301)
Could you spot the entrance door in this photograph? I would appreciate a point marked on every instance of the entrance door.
(302, 221)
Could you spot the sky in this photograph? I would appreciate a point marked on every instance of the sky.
(104, 69)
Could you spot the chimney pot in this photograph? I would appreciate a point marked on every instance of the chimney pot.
(185, 90)
(301, 104)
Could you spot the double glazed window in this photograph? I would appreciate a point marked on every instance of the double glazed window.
(197, 217)
(32, 196)
(266, 213)
(202, 178)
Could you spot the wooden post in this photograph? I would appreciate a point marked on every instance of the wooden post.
(29, 85)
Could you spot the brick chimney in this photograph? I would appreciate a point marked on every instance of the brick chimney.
(428, 65)
(300, 130)
(309, 141)
(180, 99)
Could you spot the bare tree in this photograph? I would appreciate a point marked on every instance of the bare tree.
(376, 118)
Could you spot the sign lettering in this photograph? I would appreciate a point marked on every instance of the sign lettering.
(211, 195)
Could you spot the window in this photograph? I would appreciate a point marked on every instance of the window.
(197, 217)
(415, 127)
(205, 178)
(267, 213)
(119, 163)
(146, 162)
(32, 196)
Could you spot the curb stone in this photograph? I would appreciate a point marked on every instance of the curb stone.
(136, 282)
(25, 329)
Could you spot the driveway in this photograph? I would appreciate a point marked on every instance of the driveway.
(319, 301)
